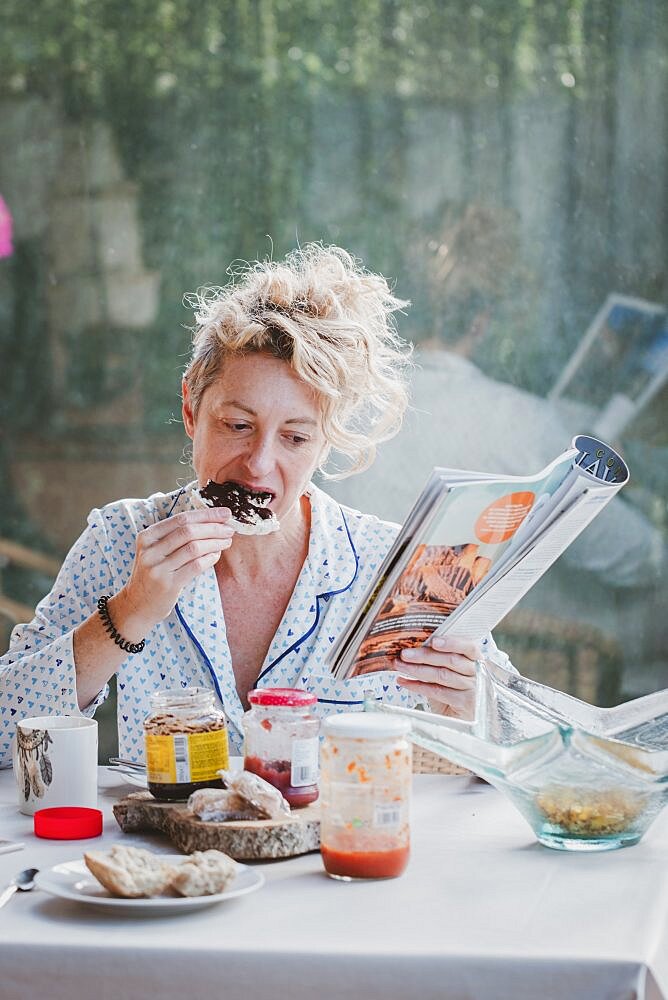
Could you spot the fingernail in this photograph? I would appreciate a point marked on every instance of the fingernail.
(407, 678)
(410, 654)
(439, 643)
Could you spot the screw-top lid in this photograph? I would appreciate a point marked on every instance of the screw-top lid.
(67, 823)
(365, 726)
(294, 697)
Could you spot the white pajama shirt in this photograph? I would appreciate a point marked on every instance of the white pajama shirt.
(37, 674)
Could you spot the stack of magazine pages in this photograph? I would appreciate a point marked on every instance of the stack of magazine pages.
(471, 547)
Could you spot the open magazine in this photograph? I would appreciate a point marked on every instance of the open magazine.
(471, 547)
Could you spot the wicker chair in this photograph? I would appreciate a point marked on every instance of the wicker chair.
(428, 762)
(571, 656)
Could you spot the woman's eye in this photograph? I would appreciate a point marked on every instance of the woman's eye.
(297, 439)
(236, 428)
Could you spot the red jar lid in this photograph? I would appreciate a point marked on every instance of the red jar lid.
(67, 823)
(281, 696)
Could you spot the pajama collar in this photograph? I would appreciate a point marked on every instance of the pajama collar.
(329, 569)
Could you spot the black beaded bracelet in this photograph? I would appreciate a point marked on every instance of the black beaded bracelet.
(129, 647)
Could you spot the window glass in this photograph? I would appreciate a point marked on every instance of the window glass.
(505, 162)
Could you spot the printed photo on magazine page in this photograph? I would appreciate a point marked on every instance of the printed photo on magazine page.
(471, 547)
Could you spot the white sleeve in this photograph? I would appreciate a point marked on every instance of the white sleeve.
(37, 673)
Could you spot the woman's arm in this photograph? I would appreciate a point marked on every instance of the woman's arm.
(60, 662)
(37, 673)
(168, 555)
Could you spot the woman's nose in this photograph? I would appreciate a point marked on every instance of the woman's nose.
(259, 458)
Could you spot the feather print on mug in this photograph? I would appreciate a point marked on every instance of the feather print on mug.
(34, 764)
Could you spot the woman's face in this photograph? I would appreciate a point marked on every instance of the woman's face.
(259, 425)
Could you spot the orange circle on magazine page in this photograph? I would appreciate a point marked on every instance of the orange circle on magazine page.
(501, 519)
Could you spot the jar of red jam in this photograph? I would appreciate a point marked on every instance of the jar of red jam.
(281, 742)
(365, 796)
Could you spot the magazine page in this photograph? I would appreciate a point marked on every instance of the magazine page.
(596, 475)
(419, 517)
(490, 604)
(431, 571)
(471, 547)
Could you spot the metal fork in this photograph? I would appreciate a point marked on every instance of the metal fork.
(127, 765)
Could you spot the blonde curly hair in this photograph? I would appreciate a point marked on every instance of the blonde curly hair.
(332, 322)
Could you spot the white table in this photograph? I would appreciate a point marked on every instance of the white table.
(483, 912)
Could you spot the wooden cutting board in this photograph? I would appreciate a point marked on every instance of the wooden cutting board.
(243, 840)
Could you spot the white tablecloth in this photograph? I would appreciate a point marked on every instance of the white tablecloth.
(483, 912)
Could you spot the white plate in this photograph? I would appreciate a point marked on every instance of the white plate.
(73, 881)
(128, 777)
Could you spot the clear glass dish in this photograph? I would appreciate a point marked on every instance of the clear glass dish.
(585, 778)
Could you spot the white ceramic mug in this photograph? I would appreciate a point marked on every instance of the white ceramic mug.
(55, 762)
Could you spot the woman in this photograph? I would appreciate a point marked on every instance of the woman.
(288, 361)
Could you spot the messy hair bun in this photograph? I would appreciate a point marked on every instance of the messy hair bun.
(332, 322)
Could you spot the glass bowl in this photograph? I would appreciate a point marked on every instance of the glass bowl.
(585, 778)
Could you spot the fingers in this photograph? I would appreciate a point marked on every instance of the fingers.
(196, 566)
(431, 658)
(195, 551)
(459, 703)
(442, 675)
(184, 534)
(470, 648)
(161, 529)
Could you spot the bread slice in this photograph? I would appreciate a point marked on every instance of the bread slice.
(204, 873)
(249, 508)
(130, 872)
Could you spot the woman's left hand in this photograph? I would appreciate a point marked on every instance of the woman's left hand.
(443, 672)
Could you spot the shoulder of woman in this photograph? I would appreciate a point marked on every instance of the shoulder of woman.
(368, 524)
(335, 514)
(362, 529)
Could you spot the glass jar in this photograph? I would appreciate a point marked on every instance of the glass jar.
(185, 737)
(365, 796)
(281, 742)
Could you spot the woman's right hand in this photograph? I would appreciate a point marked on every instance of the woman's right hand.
(168, 555)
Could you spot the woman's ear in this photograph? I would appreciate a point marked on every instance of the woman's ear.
(187, 410)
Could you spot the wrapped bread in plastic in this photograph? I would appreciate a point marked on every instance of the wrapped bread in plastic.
(204, 873)
(221, 805)
(257, 792)
(130, 871)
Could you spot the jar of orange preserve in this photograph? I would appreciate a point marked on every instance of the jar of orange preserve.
(365, 787)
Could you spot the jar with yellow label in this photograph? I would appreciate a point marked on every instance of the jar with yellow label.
(185, 736)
